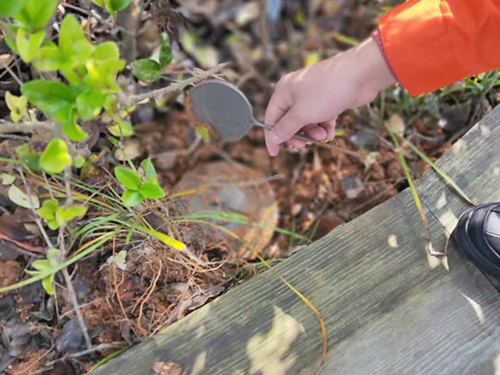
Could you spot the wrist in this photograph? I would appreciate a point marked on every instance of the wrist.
(375, 72)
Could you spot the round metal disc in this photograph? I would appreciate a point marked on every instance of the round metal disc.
(224, 107)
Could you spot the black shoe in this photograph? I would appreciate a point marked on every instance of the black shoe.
(478, 236)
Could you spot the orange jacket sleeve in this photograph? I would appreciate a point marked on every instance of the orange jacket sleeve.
(432, 43)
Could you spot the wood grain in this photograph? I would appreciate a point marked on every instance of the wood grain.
(389, 306)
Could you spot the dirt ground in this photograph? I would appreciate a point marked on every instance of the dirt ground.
(286, 202)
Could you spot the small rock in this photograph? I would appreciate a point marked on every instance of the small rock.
(365, 140)
(71, 339)
(142, 114)
(17, 336)
(82, 287)
(32, 293)
(169, 368)
(7, 308)
(352, 187)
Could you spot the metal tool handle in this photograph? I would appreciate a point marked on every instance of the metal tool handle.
(300, 137)
(310, 140)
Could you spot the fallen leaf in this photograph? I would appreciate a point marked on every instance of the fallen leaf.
(397, 124)
(20, 198)
(169, 368)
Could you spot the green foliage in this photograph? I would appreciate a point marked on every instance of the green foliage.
(34, 15)
(149, 70)
(29, 158)
(18, 106)
(113, 6)
(56, 157)
(56, 216)
(9, 8)
(48, 265)
(137, 187)
(146, 70)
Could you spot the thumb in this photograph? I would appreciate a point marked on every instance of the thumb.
(285, 129)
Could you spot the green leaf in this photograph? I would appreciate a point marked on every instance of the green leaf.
(89, 104)
(146, 70)
(122, 129)
(165, 51)
(79, 161)
(152, 191)
(36, 13)
(28, 44)
(149, 170)
(106, 51)
(128, 178)
(131, 198)
(9, 8)
(20, 198)
(56, 157)
(10, 33)
(75, 48)
(53, 257)
(115, 6)
(48, 209)
(48, 283)
(41, 265)
(74, 132)
(7, 179)
(63, 215)
(53, 98)
(99, 3)
(28, 157)
(18, 106)
(48, 58)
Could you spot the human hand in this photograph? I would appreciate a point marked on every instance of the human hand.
(310, 99)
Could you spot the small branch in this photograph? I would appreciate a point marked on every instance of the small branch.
(74, 300)
(35, 215)
(178, 86)
(25, 127)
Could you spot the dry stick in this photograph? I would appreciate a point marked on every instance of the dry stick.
(35, 216)
(178, 86)
(11, 72)
(151, 290)
(25, 127)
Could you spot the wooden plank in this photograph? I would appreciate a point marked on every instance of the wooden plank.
(389, 307)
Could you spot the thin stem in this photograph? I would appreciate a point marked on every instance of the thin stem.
(36, 217)
(178, 86)
(74, 300)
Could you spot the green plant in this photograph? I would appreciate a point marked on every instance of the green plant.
(139, 186)
(113, 6)
(149, 70)
(56, 216)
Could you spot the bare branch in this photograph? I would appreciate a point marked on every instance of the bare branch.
(25, 127)
(178, 86)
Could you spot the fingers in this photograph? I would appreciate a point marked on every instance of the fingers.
(285, 129)
(278, 106)
(329, 127)
(297, 143)
(315, 132)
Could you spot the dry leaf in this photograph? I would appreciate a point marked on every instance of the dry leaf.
(397, 124)
(169, 368)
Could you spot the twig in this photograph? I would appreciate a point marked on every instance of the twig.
(151, 290)
(79, 316)
(11, 72)
(24, 127)
(177, 86)
(35, 216)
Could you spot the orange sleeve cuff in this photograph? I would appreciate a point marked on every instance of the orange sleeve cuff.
(418, 46)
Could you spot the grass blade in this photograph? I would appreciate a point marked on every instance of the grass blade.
(440, 172)
(407, 172)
